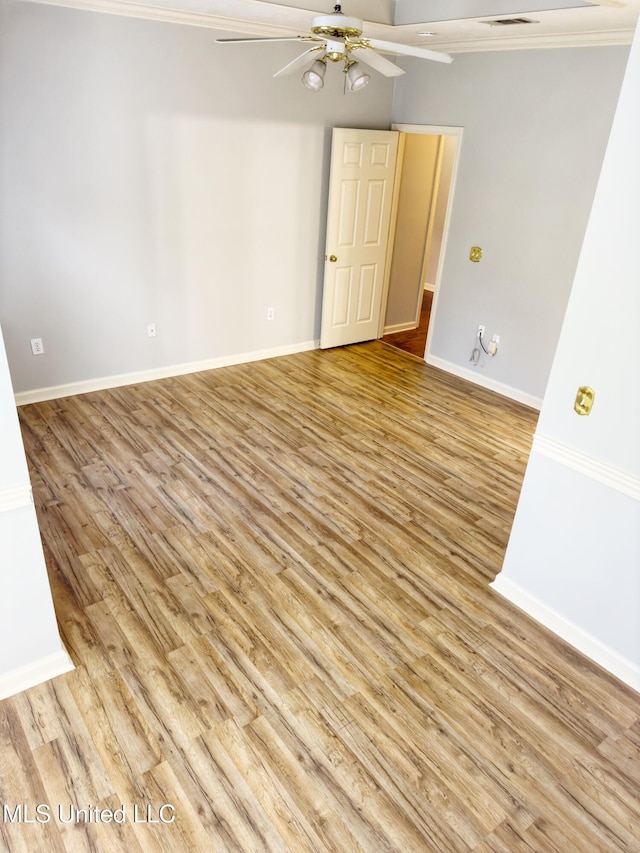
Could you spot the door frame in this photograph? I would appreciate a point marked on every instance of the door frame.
(433, 130)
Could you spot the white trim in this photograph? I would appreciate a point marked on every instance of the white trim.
(38, 395)
(429, 286)
(257, 28)
(485, 382)
(577, 637)
(400, 327)
(616, 479)
(431, 129)
(587, 39)
(35, 673)
(175, 16)
(15, 497)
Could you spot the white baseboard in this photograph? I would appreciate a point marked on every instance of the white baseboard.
(38, 395)
(486, 382)
(15, 497)
(577, 637)
(400, 327)
(35, 673)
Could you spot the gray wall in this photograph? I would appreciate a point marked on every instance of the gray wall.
(148, 174)
(536, 124)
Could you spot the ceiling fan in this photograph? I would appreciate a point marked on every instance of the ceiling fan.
(337, 37)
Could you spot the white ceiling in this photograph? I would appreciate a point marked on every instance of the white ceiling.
(458, 25)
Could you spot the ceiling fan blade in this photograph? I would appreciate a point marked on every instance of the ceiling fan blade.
(408, 50)
(266, 38)
(299, 62)
(379, 63)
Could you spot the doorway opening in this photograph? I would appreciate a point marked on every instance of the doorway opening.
(427, 165)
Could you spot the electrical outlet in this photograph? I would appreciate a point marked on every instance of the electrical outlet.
(481, 330)
(271, 314)
(37, 347)
(151, 330)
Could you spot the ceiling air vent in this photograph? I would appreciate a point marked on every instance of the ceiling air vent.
(507, 22)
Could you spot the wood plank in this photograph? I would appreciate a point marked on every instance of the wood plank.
(273, 579)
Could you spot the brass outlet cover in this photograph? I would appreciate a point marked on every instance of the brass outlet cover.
(475, 254)
(584, 400)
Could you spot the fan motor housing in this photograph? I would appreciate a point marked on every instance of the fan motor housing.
(336, 26)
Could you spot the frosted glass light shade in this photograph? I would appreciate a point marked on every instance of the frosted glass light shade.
(313, 78)
(356, 78)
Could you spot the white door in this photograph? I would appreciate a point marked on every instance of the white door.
(363, 164)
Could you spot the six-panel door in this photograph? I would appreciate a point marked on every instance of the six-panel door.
(363, 164)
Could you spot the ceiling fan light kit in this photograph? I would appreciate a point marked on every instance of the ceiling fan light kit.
(337, 36)
(313, 77)
(357, 78)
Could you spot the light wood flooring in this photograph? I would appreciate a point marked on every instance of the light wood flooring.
(273, 581)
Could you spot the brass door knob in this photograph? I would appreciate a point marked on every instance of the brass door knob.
(333, 259)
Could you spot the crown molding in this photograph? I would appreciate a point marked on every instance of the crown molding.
(257, 28)
(593, 38)
(174, 16)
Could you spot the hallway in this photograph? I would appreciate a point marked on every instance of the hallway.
(414, 341)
